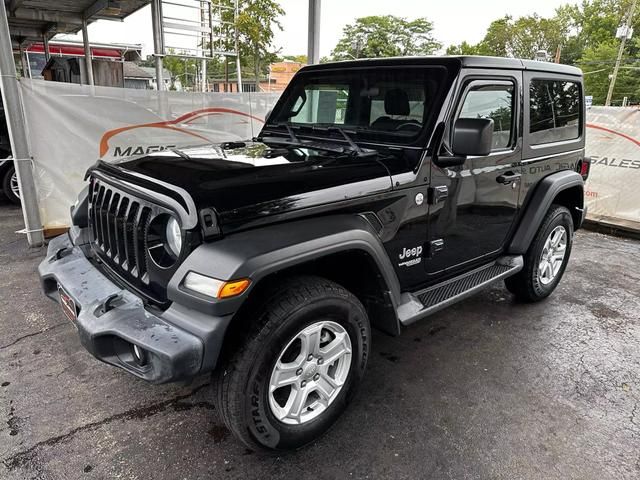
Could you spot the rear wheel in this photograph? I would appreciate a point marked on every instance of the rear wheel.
(10, 185)
(546, 259)
(298, 368)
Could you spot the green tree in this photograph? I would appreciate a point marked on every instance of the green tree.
(463, 49)
(183, 69)
(386, 36)
(256, 21)
(585, 34)
(520, 38)
(597, 65)
(496, 40)
(296, 58)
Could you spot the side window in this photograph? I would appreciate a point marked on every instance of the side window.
(496, 102)
(554, 111)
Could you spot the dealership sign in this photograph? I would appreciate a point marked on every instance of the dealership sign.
(72, 126)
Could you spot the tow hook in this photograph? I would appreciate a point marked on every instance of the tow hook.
(60, 253)
(109, 304)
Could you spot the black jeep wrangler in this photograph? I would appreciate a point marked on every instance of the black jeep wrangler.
(377, 193)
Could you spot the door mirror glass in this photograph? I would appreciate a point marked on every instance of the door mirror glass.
(472, 136)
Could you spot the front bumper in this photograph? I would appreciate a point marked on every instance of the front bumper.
(178, 343)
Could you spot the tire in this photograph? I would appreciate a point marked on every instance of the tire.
(534, 283)
(241, 386)
(7, 179)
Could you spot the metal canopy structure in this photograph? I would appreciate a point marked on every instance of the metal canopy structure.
(22, 23)
(31, 20)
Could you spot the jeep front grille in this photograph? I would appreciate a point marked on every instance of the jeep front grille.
(119, 224)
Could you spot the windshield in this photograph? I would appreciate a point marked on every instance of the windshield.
(393, 102)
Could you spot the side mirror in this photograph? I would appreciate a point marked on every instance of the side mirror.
(472, 136)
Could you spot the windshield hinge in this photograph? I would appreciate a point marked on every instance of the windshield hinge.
(209, 223)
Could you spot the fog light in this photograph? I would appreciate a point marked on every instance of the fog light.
(139, 355)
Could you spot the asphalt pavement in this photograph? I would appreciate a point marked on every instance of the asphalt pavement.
(488, 389)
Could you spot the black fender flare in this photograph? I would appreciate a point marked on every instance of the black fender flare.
(259, 252)
(538, 205)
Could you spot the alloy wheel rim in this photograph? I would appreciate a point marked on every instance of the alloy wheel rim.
(310, 372)
(13, 184)
(552, 256)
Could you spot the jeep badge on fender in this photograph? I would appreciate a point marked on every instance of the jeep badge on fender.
(378, 192)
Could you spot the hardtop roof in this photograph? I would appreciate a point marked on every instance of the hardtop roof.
(460, 61)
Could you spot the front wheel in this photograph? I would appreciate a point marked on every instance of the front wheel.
(298, 368)
(546, 259)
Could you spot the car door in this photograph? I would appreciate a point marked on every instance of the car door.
(473, 206)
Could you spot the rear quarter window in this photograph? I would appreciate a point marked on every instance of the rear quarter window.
(554, 111)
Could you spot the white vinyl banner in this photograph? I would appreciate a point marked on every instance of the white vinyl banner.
(613, 188)
(70, 127)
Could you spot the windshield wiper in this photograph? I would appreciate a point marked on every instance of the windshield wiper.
(300, 144)
(291, 134)
(353, 146)
(294, 142)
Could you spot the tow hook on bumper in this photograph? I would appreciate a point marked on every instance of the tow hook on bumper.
(114, 325)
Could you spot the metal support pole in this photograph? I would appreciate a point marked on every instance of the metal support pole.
(88, 59)
(203, 71)
(238, 71)
(623, 41)
(47, 50)
(313, 50)
(204, 15)
(26, 71)
(158, 42)
(17, 133)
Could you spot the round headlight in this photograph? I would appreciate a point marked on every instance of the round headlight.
(174, 236)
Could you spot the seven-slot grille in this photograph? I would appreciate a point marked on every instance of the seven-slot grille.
(119, 224)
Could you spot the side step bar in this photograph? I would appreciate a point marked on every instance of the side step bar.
(418, 305)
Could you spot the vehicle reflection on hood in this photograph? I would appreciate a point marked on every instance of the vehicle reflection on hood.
(245, 180)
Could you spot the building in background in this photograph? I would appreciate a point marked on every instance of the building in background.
(136, 77)
(144, 78)
(66, 63)
(280, 74)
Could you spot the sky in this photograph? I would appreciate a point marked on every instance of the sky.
(454, 20)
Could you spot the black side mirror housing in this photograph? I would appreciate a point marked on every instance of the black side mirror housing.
(472, 136)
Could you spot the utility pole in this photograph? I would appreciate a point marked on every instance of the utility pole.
(625, 34)
(237, 45)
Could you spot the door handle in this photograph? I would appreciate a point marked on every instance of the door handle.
(508, 177)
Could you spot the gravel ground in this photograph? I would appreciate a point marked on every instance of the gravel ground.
(485, 389)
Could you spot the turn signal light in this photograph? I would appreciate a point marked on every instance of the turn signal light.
(231, 289)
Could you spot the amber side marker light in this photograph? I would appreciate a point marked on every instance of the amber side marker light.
(233, 288)
(212, 287)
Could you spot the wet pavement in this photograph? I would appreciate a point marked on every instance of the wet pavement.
(486, 389)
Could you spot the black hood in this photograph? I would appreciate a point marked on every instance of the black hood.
(243, 183)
